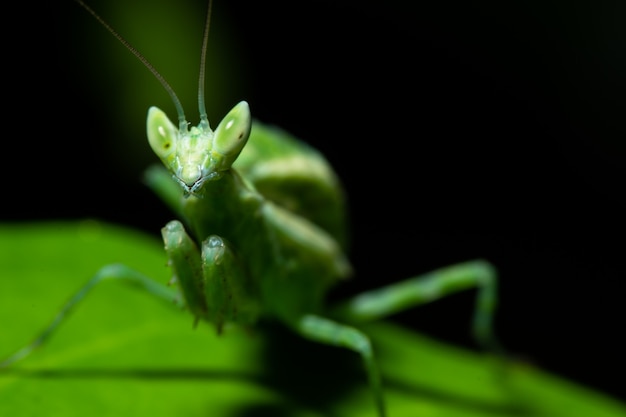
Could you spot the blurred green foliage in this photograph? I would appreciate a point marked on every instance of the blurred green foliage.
(124, 353)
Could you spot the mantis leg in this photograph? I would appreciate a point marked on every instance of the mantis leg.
(159, 180)
(109, 272)
(382, 302)
(326, 331)
(214, 283)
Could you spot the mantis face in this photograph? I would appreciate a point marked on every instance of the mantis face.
(199, 154)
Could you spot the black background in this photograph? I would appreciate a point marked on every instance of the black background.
(461, 129)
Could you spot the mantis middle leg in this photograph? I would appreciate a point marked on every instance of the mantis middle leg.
(422, 289)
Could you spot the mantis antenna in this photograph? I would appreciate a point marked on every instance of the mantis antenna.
(204, 120)
(182, 121)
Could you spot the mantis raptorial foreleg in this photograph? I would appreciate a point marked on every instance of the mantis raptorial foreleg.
(219, 290)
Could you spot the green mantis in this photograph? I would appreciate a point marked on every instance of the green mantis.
(262, 236)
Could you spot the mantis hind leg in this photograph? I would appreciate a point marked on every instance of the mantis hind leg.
(327, 331)
(109, 272)
(384, 301)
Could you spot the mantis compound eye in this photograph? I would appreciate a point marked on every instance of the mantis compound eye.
(162, 134)
(232, 133)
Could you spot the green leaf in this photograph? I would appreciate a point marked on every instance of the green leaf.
(125, 353)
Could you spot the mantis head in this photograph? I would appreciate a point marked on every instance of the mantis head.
(197, 155)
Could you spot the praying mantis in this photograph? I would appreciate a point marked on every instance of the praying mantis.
(262, 236)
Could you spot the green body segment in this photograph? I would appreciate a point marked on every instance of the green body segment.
(295, 176)
(291, 261)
